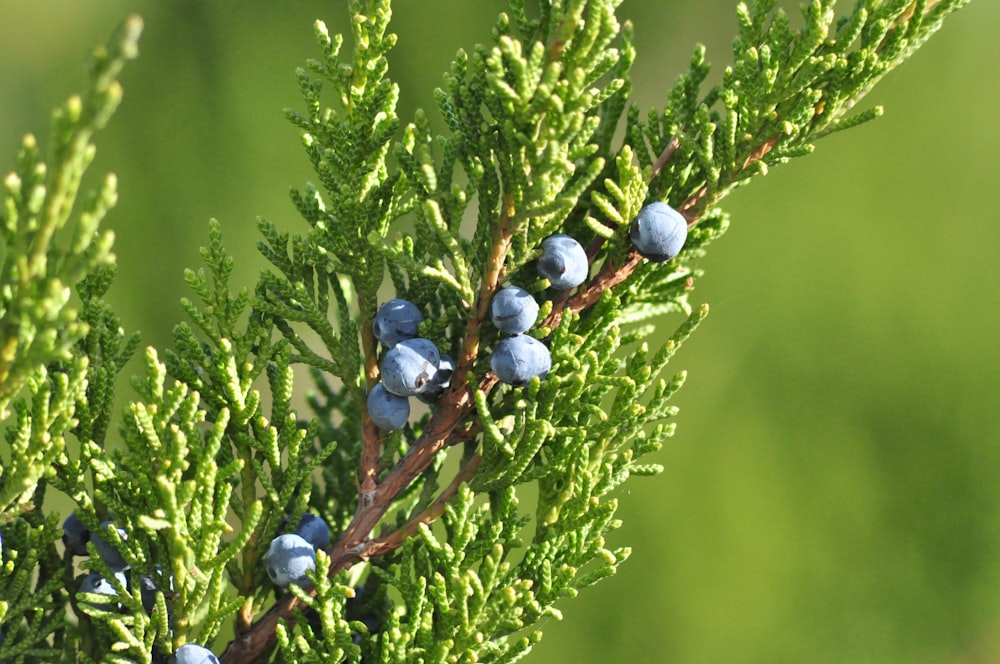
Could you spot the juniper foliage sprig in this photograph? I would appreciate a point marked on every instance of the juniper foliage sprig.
(455, 536)
(39, 269)
(784, 90)
(59, 360)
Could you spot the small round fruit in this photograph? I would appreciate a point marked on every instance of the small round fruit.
(109, 554)
(658, 232)
(513, 310)
(288, 559)
(518, 359)
(563, 262)
(388, 411)
(409, 367)
(98, 585)
(192, 653)
(148, 587)
(395, 321)
(147, 593)
(75, 535)
(314, 530)
(441, 381)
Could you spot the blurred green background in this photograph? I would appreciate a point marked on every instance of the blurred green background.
(832, 494)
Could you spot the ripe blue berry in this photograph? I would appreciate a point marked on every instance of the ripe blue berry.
(360, 608)
(518, 359)
(513, 310)
(441, 381)
(388, 411)
(109, 554)
(314, 530)
(288, 559)
(658, 232)
(75, 535)
(147, 593)
(563, 262)
(409, 367)
(191, 653)
(395, 321)
(98, 585)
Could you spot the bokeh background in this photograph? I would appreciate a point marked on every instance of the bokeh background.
(833, 492)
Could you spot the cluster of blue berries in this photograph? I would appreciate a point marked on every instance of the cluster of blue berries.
(411, 366)
(658, 234)
(287, 561)
(290, 557)
(75, 538)
(519, 357)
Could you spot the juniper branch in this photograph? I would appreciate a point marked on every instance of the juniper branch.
(532, 123)
(457, 405)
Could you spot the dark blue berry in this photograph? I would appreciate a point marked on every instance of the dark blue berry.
(98, 585)
(109, 554)
(314, 530)
(395, 321)
(75, 535)
(147, 593)
(388, 411)
(440, 382)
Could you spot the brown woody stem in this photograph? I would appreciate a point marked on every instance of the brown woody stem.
(371, 446)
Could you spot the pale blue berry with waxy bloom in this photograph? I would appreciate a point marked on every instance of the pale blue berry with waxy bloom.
(409, 367)
(658, 232)
(513, 310)
(288, 559)
(388, 411)
(192, 653)
(563, 262)
(518, 359)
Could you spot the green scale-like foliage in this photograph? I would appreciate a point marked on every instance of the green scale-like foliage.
(456, 535)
